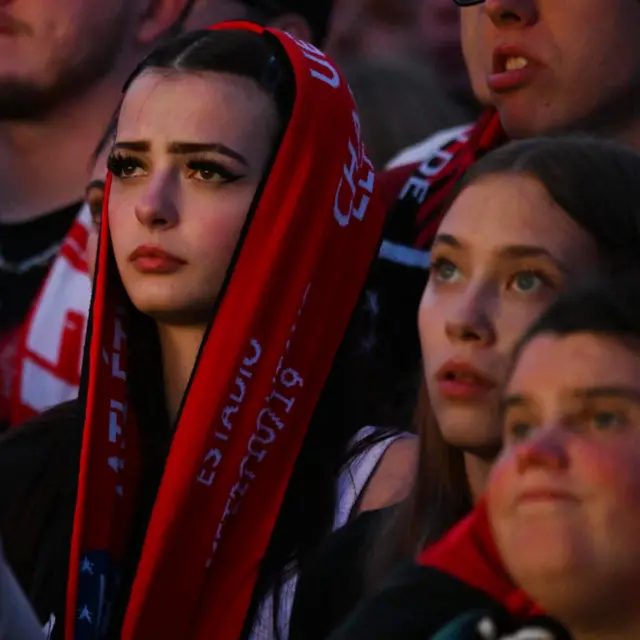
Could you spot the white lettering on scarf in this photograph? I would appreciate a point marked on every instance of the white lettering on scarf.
(419, 183)
(214, 456)
(270, 421)
(358, 195)
(321, 69)
(117, 410)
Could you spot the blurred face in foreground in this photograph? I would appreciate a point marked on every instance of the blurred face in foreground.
(564, 496)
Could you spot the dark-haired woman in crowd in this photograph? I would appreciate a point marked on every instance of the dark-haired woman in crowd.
(216, 440)
(528, 220)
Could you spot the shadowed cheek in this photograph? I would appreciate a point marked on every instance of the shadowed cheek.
(612, 473)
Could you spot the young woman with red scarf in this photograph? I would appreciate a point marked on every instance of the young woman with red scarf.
(199, 467)
(541, 230)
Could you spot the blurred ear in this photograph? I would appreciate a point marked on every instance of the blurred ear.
(160, 17)
(294, 24)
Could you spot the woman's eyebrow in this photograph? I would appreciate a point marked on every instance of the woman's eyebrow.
(183, 148)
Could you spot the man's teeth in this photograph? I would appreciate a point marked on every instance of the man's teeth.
(515, 63)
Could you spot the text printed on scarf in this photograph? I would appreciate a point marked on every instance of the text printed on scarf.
(358, 194)
(270, 421)
(117, 409)
(363, 189)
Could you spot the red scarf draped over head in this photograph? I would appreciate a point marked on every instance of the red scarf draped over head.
(468, 552)
(314, 231)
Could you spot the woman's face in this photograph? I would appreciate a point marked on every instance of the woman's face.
(563, 496)
(189, 154)
(502, 254)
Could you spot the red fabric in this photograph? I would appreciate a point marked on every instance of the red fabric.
(391, 182)
(9, 341)
(468, 552)
(45, 370)
(264, 362)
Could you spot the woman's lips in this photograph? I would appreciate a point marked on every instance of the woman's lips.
(149, 259)
(463, 381)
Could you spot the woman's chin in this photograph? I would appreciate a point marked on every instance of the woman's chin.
(470, 428)
(168, 312)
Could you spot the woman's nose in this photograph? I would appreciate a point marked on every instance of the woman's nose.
(471, 321)
(157, 206)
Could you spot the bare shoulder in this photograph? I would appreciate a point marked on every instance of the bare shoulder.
(392, 479)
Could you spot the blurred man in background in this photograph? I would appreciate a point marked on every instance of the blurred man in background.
(62, 66)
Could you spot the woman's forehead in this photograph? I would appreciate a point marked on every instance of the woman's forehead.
(170, 106)
(511, 209)
(582, 360)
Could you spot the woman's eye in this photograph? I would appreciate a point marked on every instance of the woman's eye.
(527, 282)
(445, 271)
(125, 167)
(210, 172)
(129, 169)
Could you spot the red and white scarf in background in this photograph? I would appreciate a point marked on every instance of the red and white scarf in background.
(313, 233)
(46, 367)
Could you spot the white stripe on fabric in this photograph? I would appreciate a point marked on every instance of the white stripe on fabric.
(401, 254)
(418, 152)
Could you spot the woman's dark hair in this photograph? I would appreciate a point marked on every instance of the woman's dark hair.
(236, 51)
(596, 183)
(605, 306)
